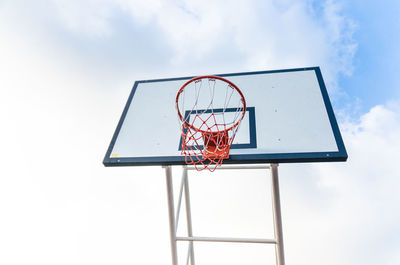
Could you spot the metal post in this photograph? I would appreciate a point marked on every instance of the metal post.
(178, 210)
(188, 215)
(171, 215)
(278, 240)
(227, 239)
(280, 258)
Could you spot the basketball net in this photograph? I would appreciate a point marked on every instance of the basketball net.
(210, 109)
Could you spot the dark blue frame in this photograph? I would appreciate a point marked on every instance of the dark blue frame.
(340, 155)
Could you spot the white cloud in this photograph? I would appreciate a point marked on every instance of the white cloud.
(91, 18)
(356, 217)
(267, 34)
(259, 34)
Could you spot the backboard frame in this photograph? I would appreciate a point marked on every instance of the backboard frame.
(340, 155)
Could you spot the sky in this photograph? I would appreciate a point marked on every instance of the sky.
(66, 70)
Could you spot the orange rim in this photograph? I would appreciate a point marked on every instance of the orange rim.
(210, 77)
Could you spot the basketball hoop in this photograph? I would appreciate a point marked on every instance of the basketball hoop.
(210, 109)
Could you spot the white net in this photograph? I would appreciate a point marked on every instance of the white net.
(210, 109)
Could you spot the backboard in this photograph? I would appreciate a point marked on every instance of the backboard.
(289, 118)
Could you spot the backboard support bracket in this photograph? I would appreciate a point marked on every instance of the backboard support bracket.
(184, 187)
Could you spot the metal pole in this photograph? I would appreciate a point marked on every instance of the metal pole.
(227, 239)
(229, 167)
(280, 258)
(180, 200)
(188, 214)
(171, 215)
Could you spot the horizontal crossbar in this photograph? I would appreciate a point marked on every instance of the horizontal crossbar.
(227, 239)
(225, 167)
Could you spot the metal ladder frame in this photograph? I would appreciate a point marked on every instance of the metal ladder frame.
(174, 217)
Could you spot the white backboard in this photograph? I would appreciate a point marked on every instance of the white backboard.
(289, 118)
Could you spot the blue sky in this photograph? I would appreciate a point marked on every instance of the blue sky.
(374, 79)
(66, 69)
